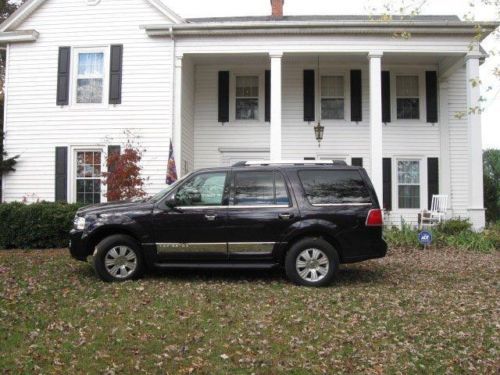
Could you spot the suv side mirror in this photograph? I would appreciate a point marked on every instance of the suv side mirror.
(171, 202)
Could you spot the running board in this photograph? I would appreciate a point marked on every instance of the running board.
(242, 266)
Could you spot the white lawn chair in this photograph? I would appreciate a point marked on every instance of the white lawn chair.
(437, 214)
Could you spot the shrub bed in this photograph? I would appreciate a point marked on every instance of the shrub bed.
(35, 226)
(452, 233)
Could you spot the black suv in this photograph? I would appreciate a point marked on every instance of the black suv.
(308, 217)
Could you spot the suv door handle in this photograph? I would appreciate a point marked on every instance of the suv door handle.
(285, 216)
(210, 217)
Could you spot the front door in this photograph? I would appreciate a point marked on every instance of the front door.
(260, 211)
(195, 228)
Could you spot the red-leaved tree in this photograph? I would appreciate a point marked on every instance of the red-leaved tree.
(123, 178)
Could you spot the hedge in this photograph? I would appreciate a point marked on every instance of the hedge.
(35, 226)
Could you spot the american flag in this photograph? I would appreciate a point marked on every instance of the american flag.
(171, 169)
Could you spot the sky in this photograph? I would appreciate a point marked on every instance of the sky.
(491, 114)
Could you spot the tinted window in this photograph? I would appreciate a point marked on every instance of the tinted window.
(334, 187)
(259, 189)
(205, 189)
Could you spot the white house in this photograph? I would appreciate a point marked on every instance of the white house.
(82, 73)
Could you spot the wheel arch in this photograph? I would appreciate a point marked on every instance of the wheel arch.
(105, 231)
(310, 233)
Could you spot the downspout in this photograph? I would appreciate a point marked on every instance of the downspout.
(172, 96)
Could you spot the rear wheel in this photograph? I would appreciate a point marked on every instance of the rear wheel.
(118, 258)
(311, 262)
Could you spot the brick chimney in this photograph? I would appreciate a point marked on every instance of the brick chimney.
(277, 6)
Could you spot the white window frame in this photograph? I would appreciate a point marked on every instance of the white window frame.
(232, 94)
(321, 97)
(73, 169)
(420, 73)
(423, 182)
(74, 75)
(332, 71)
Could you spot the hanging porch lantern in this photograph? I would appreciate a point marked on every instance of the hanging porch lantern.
(319, 131)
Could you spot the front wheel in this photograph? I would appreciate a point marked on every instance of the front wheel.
(311, 262)
(118, 258)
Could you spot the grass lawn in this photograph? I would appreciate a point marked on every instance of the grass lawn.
(412, 312)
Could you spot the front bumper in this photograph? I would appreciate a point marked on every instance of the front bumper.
(78, 245)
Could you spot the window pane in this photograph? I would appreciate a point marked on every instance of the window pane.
(332, 109)
(409, 172)
(254, 188)
(89, 90)
(247, 86)
(407, 86)
(91, 64)
(202, 190)
(408, 109)
(332, 86)
(281, 191)
(247, 109)
(409, 196)
(333, 187)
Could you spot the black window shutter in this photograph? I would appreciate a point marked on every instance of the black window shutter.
(356, 96)
(115, 74)
(309, 96)
(357, 162)
(431, 96)
(113, 150)
(223, 96)
(61, 174)
(268, 96)
(63, 68)
(386, 97)
(432, 178)
(387, 183)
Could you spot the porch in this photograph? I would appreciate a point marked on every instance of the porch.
(256, 106)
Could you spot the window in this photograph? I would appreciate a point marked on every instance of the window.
(247, 97)
(409, 183)
(260, 189)
(408, 97)
(332, 97)
(90, 77)
(88, 177)
(205, 189)
(334, 187)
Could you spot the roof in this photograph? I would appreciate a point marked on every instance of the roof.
(30, 6)
(331, 18)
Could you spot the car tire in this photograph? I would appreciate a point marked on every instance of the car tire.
(311, 262)
(118, 258)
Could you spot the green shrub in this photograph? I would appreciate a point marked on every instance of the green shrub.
(39, 225)
(454, 227)
(454, 233)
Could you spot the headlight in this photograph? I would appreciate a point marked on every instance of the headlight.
(79, 223)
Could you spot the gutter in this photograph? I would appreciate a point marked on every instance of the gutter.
(320, 27)
(19, 36)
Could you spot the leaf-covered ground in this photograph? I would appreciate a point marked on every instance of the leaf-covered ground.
(412, 312)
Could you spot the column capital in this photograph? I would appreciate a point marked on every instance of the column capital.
(375, 54)
(276, 54)
(178, 61)
(473, 55)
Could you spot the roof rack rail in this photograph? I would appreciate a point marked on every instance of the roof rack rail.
(289, 162)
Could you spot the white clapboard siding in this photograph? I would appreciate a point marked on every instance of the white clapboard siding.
(35, 125)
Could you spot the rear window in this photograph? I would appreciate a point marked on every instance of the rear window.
(334, 187)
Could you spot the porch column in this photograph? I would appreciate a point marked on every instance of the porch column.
(375, 59)
(275, 141)
(177, 125)
(476, 203)
(444, 155)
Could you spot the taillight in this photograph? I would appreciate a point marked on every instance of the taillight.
(375, 218)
